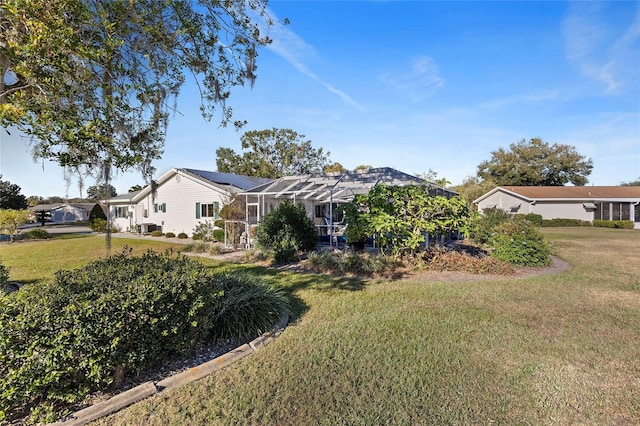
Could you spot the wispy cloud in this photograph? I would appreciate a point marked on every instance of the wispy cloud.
(599, 49)
(420, 82)
(293, 49)
(544, 95)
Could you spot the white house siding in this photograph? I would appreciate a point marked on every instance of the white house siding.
(503, 201)
(556, 210)
(179, 195)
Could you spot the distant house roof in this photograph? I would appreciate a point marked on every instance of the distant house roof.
(48, 207)
(541, 193)
(336, 187)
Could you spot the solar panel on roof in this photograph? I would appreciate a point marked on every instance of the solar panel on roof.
(242, 182)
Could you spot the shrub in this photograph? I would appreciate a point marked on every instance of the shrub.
(248, 307)
(218, 235)
(621, 224)
(350, 262)
(519, 242)
(558, 222)
(286, 230)
(98, 225)
(37, 234)
(4, 274)
(534, 218)
(197, 247)
(219, 223)
(170, 235)
(182, 236)
(156, 233)
(486, 224)
(443, 259)
(61, 340)
(204, 231)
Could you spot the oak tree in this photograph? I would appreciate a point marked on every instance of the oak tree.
(272, 153)
(536, 163)
(11, 197)
(93, 83)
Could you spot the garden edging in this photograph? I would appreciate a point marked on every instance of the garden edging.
(145, 390)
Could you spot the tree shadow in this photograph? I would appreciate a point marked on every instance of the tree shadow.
(292, 280)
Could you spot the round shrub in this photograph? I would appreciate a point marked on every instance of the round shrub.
(286, 230)
(98, 225)
(90, 327)
(534, 218)
(37, 234)
(170, 235)
(486, 224)
(156, 233)
(182, 236)
(218, 235)
(519, 242)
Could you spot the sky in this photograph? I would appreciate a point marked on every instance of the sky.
(418, 85)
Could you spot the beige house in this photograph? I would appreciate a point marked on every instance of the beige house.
(570, 202)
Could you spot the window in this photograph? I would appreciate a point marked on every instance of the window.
(160, 208)
(121, 211)
(208, 210)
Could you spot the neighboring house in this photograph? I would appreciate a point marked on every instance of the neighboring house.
(323, 193)
(65, 212)
(177, 201)
(572, 202)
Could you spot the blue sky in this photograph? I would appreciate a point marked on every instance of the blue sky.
(419, 85)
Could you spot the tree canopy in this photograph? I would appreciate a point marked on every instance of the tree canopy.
(272, 153)
(631, 183)
(93, 83)
(11, 197)
(536, 163)
(100, 192)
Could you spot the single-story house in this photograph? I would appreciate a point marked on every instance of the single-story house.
(567, 202)
(177, 201)
(322, 193)
(65, 212)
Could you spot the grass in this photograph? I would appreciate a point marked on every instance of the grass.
(36, 261)
(549, 349)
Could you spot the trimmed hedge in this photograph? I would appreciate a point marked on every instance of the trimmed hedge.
(170, 235)
(37, 234)
(89, 327)
(620, 224)
(561, 222)
(182, 236)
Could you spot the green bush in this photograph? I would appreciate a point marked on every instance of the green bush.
(98, 225)
(286, 230)
(218, 235)
(156, 233)
(534, 218)
(561, 222)
(170, 235)
(182, 236)
(620, 224)
(486, 224)
(219, 223)
(519, 242)
(89, 327)
(248, 308)
(37, 234)
(4, 274)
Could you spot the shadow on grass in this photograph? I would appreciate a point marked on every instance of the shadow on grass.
(294, 281)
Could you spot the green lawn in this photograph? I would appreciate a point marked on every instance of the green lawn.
(550, 349)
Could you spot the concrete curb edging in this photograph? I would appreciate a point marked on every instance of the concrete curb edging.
(147, 389)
